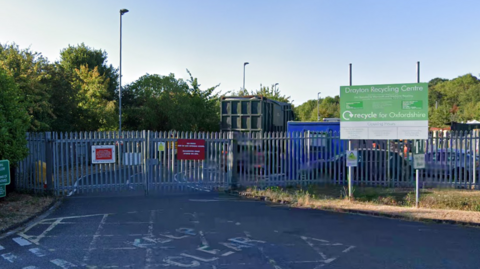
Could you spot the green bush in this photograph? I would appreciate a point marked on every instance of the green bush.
(14, 121)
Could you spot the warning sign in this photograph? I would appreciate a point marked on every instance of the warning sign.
(191, 149)
(103, 154)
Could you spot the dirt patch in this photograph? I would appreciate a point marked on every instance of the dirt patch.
(438, 205)
(18, 207)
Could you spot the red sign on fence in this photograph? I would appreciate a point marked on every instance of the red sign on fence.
(191, 149)
(103, 154)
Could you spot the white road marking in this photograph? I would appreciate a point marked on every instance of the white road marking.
(209, 251)
(247, 234)
(149, 251)
(38, 252)
(187, 231)
(92, 244)
(37, 239)
(22, 242)
(1, 248)
(199, 258)
(238, 223)
(30, 267)
(227, 253)
(203, 239)
(170, 261)
(174, 237)
(270, 260)
(348, 249)
(63, 264)
(9, 257)
(76, 217)
(243, 240)
(306, 239)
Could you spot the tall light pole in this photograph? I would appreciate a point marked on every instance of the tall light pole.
(318, 106)
(244, 64)
(275, 86)
(122, 11)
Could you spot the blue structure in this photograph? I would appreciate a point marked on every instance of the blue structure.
(320, 142)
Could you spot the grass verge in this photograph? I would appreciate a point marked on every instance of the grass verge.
(18, 207)
(452, 205)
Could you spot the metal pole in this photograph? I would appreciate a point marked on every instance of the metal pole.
(120, 88)
(418, 72)
(417, 192)
(318, 106)
(244, 77)
(244, 64)
(350, 190)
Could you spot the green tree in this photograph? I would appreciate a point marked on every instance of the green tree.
(307, 111)
(14, 120)
(163, 103)
(73, 57)
(95, 111)
(29, 70)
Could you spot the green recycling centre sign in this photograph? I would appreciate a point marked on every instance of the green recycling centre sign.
(394, 111)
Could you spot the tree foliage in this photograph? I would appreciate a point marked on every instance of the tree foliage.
(272, 93)
(29, 71)
(162, 103)
(328, 107)
(74, 57)
(14, 120)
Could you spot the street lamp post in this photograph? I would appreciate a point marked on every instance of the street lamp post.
(275, 86)
(122, 11)
(318, 106)
(244, 64)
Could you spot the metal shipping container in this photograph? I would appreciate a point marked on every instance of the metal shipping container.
(254, 114)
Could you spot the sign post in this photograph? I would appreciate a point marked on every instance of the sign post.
(4, 177)
(383, 112)
(418, 163)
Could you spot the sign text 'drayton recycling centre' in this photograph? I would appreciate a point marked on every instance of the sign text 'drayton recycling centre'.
(396, 111)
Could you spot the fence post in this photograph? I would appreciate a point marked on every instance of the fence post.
(232, 158)
(49, 162)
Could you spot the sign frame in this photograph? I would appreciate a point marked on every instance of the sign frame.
(384, 111)
(5, 172)
(191, 149)
(352, 158)
(111, 148)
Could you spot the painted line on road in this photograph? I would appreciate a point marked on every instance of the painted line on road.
(21, 241)
(86, 258)
(37, 239)
(10, 257)
(63, 264)
(270, 260)
(1, 248)
(38, 252)
(348, 249)
(149, 251)
(30, 267)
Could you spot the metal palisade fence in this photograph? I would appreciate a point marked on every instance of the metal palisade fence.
(150, 161)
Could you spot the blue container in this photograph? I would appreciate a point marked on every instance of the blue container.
(321, 142)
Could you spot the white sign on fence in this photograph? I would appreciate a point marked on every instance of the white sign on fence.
(352, 158)
(103, 154)
(419, 161)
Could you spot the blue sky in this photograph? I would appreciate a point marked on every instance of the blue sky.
(304, 45)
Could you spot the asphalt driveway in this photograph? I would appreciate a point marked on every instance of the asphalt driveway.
(208, 230)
